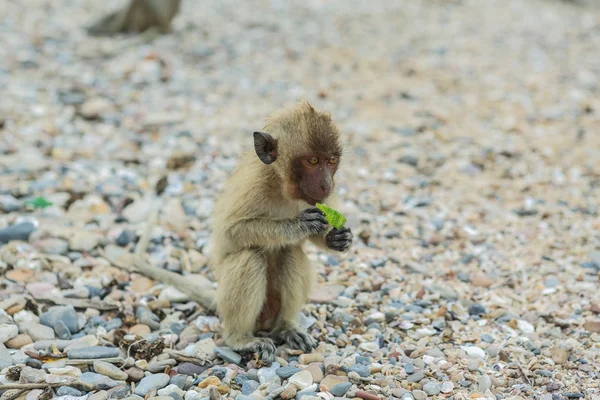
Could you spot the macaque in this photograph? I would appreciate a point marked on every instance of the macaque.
(261, 221)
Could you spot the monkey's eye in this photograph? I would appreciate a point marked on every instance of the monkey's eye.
(333, 160)
(313, 161)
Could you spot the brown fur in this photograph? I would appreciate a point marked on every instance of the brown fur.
(263, 275)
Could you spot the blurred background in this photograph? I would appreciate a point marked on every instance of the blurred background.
(472, 165)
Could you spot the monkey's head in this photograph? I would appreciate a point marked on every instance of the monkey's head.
(302, 145)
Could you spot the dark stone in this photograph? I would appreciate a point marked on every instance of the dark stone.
(20, 231)
(286, 372)
(125, 238)
(362, 370)
(476, 309)
(191, 369)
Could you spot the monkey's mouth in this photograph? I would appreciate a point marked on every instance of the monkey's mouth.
(312, 201)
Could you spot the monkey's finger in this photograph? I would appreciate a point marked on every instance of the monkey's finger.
(339, 245)
(342, 236)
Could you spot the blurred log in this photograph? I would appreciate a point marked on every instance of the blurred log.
(138, 16)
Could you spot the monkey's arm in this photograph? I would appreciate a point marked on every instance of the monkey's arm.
(264, 231)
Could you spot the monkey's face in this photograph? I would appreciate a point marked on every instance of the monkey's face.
(313, 175)
(307, 176)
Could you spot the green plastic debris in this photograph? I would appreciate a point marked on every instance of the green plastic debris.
(334, 217)
(39, 202)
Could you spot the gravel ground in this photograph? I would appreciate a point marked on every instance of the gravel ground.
(471, 181)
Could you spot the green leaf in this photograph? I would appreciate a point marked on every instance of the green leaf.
(39, 202)
(334, 217)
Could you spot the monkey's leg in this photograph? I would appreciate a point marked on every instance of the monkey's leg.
(296, 276)
(241, 294)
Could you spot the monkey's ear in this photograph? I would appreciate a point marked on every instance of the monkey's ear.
(265, 146)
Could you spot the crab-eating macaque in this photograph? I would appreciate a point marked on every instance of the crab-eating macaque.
(261, 220)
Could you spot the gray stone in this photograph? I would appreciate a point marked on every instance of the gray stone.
(228, 355)
(68, 391)
(109, 370)
(7, 332)
(9, 204)
(94, 352)
(419, 395)
(362, 370)
(432, 388)
(53, 246)
(62, 331)
(416, 377)
(156, 381)
(286, 372)
(340, 389)
(181, 381)
(65, 314)
(249, 387)
(119, 392)
(100, 381)
(5, 357)
(39, 332)
(191, 369)
(20, 231)
(147, 317)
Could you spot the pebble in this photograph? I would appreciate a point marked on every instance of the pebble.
(8, 332)
(109, 370)
(249, 387)
(286, 372)
(93, 352)
(191, 369)
(419, 394)
(316, 372)
(416, 377)
(68, 391)
(65, 314)
(155, 381)
(20, 231)
(18, 341)
(340, 389)
(38, 332)
(228, 355)
(361, 370)
(302, 379)
(99, 381)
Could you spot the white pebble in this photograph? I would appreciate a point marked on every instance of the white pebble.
(302, 379)
(447, 387)
(474, 351)
(525, 327)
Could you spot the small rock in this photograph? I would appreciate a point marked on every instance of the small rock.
(416, 377)
(340, 389)
(109, 370)
(419, 395)
(191, 369)
(362, 370)
(288, 393)
(481, 280)
(155, 381)
(65, 314)
(306, 359)
(134, 374)
(366, 395)
(447, 387)
(474, 352)
(228, 355)
(100, 381)
(286, 372)
(484, 382)
(62, 331)
(119, 392)
(39, 332)
(93, 352)
(326, 293)
(476, 309)
(249, 387)
(20, 231)
(302, 379)
(31, 375)
(53, 246)
(560, 355)
(140, 329)
(8, 332)
(169, 389)
(18, 341)
(125, 238)
(316, 372)
(210, 381)
(592, 326)
(68, 391)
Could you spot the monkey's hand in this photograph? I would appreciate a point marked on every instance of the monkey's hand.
(313, 221)
(339, 239)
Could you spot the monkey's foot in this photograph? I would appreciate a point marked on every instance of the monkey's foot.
(264, 347)
(298, 340)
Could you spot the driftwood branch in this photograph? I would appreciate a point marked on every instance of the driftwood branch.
(203, 295)
(79, 303)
